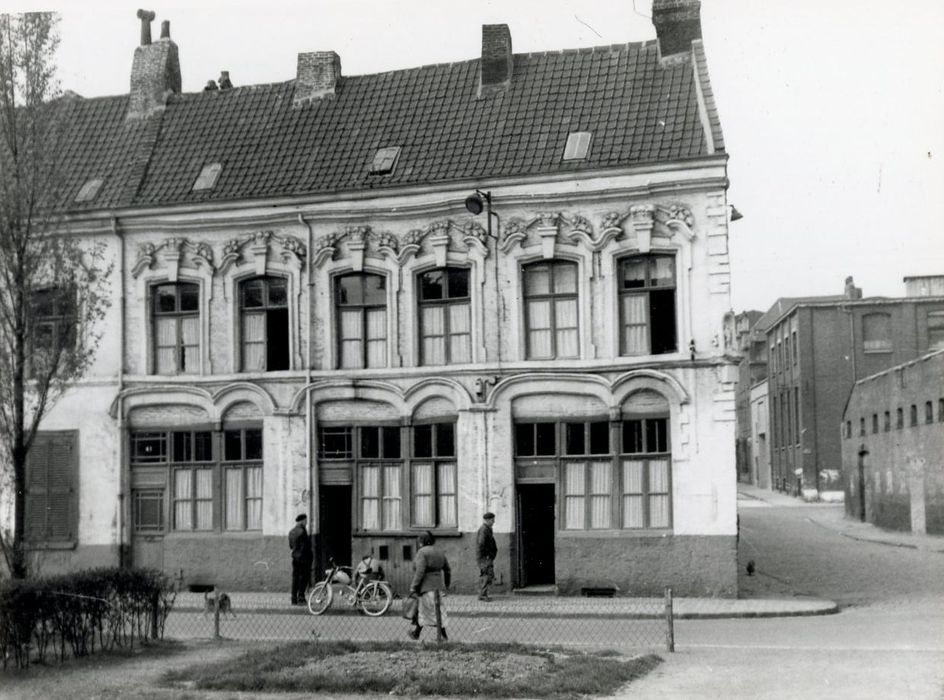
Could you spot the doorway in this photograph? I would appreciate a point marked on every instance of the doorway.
(536, 528)
(334, 525)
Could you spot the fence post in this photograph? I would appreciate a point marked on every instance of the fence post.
(216, 613)
(439, 629)
(669, 622)
(155, 604)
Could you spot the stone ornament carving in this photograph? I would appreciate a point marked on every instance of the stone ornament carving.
(360, 239)
(174, 251)
(256, 246)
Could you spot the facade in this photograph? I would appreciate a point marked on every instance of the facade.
(307, 318)
(893, 447)
(752, 369)
(817, 350)
(760, 431)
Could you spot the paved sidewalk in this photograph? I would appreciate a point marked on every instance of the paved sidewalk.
(833, 517)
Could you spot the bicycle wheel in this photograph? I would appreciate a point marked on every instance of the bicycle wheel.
(375, 599)
(320, 597)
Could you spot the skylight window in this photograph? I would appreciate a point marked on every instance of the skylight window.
(385, 160)
(578, 143)
(89, 191)
(208, 177)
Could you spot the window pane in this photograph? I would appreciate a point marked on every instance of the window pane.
(234, 499)
(565, 278)
(165, 298)
(183, 508)
(349, 290)
(447, 495)
(458, 283)
(254, 444)
(434, 346)
(254, 498)
(253, 294)
(524, 439)
(635, 326)
(183, 447)
(432, 285)
(537, 279)
(370, 502)
(632, 494)
(539, 324)
(566, 323)
(189, 297)
(634, 273)
(422, 441)
(574, 439)
(232, 445)
(203, 446)
(574, 488)
(148, 447)
(370, 442)
(375, 290)
(632, 436)
(545, 443)
(599, 437)
(423, 494)
(278, 293)
(336, 443)
(391, 442)
(391, 499)
(662, 271)
(445, 440)
(656, 435)
(460, 338)
(377, 338)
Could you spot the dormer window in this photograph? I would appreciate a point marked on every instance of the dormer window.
(578, 143)
(89, 191)
(385, 160)
(208, 177)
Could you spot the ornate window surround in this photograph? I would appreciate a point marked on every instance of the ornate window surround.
(184, 261)
(259, 254)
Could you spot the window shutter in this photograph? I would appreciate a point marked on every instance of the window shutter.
(50, 489)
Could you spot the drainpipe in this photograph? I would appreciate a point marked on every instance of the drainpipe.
(120, 481)
(309, 483)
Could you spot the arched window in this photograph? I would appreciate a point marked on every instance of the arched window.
(550, 296)
(445, 316)
(263, 311)
(361, 302)
(647, 305)
(176, 317)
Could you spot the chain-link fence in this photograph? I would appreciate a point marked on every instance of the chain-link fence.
(590, 622)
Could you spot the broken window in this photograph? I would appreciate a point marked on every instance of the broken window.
(445, 317)
(647, 305)
(361, 301)
(176, 314)
(550, 296)
(265, 324)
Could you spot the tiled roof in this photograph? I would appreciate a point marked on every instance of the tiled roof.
(638, 111)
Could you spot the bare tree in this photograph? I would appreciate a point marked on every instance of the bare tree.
(53, 285)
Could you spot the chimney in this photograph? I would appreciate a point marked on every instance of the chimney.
(677, 23)
(317, 76)
(852, 292)
(497, 59)
(155, 72)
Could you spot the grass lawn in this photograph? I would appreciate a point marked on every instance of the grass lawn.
(454, 669)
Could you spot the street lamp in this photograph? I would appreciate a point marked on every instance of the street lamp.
(481, 201)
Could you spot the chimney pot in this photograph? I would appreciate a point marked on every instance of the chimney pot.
(317, 76)
(497, 60)
(165, 29)
(146, 17)
(677, 23)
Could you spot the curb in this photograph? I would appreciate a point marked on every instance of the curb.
(873, 540)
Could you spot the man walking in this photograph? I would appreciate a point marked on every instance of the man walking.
(302, 556)
(485, 551)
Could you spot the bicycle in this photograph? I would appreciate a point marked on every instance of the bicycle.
(371, 597)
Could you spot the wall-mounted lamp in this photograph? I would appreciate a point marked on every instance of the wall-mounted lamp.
(735, 214)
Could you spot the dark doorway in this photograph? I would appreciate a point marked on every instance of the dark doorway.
(334, 525)
(535, 535)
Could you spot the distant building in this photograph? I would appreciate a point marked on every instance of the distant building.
(760, 430)
(893, 447)
(752, 368)
(817, 348)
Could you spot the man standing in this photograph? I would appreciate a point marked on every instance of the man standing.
(302, 556)
(485, 551)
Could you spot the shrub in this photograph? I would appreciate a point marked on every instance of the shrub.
(80, 613)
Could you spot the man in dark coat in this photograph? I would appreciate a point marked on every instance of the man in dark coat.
(302, 556)
(485, 551)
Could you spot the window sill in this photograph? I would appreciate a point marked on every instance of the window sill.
(406, 533)
(50, 546)
(614, 534)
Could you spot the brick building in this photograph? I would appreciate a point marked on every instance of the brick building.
(308, 318)
(817, 349)
(893, 447)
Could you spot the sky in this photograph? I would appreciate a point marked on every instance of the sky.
(832, 110)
